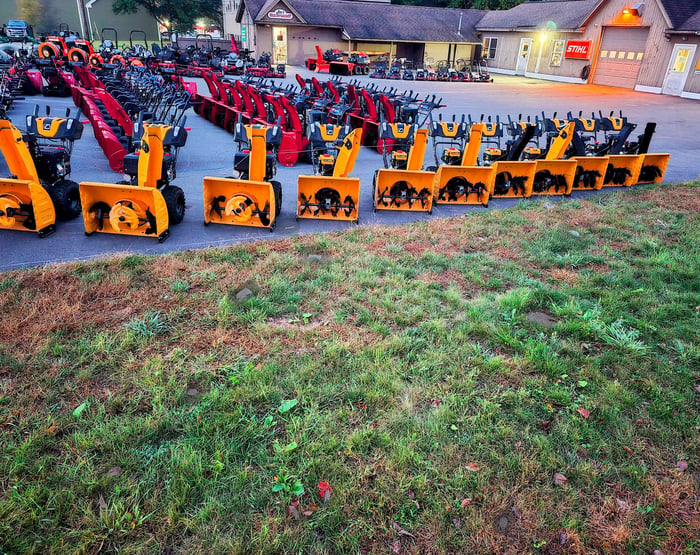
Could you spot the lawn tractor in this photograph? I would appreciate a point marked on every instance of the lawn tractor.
(146, 204)
(331, 194)
(460, 180)
(253, 198)
(402, 185)
(330, 61)
(39, 190)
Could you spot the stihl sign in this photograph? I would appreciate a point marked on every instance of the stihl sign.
(580, 49)
(279, 13)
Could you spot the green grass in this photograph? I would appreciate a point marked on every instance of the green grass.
(144, 408)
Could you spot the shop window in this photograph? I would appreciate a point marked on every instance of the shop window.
(681, 60)
(490, 44)
(557, 53)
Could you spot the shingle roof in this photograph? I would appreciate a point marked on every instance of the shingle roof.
(683, 13)
(568, 15)
(381, 21)
(692, 24)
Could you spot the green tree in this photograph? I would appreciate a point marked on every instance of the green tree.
(181, 14)
(30, 11)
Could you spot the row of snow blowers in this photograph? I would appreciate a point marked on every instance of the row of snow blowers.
(39, 191)
(254, 199)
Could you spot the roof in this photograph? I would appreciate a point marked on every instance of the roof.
(682, 13)
(380, 21)
(692, 23)
(566, 15)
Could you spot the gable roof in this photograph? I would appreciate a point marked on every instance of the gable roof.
(692, 24)
(381, 21)
(681, 12)
(569, 15)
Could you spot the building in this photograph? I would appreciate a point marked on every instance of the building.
(291, 29)
(648, 46)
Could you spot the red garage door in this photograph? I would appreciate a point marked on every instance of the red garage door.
(621, 54)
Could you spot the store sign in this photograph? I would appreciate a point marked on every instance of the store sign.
(580, 49)
(280, 13)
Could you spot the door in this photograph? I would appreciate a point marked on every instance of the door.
(678, 69)
(523, 56)
(279, 45)
(620, 56)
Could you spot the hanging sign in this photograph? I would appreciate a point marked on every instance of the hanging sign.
(280, 13)
(580, 49)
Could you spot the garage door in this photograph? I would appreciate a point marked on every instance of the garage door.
(621, 54)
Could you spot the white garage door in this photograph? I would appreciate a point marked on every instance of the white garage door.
(621, 55)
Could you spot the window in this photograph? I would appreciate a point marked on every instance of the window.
(489, 51)
(557, 52)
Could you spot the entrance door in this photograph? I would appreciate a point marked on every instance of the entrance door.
(678, 69)
(523, 56)
(279, 45)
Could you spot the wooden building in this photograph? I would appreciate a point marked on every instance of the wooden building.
(649, 45)
(291, 29)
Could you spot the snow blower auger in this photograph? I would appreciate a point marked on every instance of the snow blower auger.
(554, 175)
(331, 194)
(252, 199)
(653, 165)
(404, 186)
(39, 190)
(512, 177)
(465, 183)
(147, 204)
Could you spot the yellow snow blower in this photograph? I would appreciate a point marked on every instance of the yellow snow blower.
(404, 186)
(465, 183)
(148, 204)
(39, 190)
(331, 194)
(554, 175)
(252, 199)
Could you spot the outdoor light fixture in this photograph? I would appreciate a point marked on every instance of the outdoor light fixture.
(638, 8)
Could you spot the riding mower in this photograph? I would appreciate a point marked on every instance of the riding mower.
(253, 198)
(402, 185)
(146, 204)
(39, 162)
(460, 180)
(331, 194)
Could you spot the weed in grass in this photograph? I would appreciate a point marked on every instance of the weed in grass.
(179, 286)
(152, 324)
(8, 283)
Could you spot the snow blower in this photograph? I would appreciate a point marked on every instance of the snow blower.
(331, 194)
(251, 199)
(147, 204)
(402, 185)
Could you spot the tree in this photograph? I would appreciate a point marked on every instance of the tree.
(30, 11)
(181, 14)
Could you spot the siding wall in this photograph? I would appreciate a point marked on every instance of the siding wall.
(692, 85)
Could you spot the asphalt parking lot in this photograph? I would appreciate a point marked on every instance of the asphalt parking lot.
(210, 150)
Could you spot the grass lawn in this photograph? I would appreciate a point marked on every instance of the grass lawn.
(519, 381)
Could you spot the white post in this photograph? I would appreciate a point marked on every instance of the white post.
(81, 16)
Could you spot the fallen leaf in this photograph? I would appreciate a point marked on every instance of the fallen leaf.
(472, 467)
(435, 403)
(682, 466)
(622, 504)
(114, 471)
(545, 425)
(583, 412)
(560, 479)
(628, 450)
(402, 531)
(466, 502)
(311, 509)
(293, 509)
(51, 430)
(325, 491)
